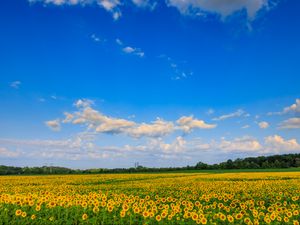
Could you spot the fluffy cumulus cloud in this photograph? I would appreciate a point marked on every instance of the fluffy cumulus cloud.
(277, 144)
(237, 113)
(291, 123)
(157, 128)
(101, 123)
(177, 146)
(244, 144)
(188, 123)
(54, 124)
(263, 125)
(224, 8)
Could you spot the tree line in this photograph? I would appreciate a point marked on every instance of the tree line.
(261, 162)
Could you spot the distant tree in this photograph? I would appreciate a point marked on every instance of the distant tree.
(201, 166)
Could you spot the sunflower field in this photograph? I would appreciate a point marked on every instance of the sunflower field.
(163, 198)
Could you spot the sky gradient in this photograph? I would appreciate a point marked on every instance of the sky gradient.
(107, 83)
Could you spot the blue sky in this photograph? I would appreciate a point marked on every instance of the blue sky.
(107, 83)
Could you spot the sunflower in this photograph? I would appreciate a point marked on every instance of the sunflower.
(84, 216)
(18, 212)
(222, 217)
(230, 219)
(204, 221)
(238, 216)
(96, 209)
(295, 222)
(158, 218)
(38, 208)
(122, 213)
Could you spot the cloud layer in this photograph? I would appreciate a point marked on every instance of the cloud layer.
(158, 139)
(222, 8)
(83, 146)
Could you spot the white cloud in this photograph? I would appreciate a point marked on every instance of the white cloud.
(83, 146)
(157, 128)
(134, 51)
(141, 3)
(271, 145)
(177, 146)
(292, 123)
(244, 144)
(154, 131)
(128, 49)
(54, 124)
(238, 113)
(111, 6)
(277, 144)
(101, 123)
(83, 103)
(294, 108)
(263, 125)
(68, 117)
(5, 153)
(188, 123)
(224, 8)
(245, 127)
(112, 125)
(15, 84)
